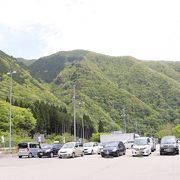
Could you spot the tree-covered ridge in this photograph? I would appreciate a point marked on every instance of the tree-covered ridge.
(170, 69)
(47, 68)
(114, 83)
(25, 87)
(101, 92)
(145, 95)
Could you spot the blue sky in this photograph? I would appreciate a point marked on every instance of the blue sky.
(145, 29)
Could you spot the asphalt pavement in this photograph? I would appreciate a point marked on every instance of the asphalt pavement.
(92, 167)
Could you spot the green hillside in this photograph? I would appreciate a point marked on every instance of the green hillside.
(115, 90)
(30, 99)
(148, 91)
(25, 87)
(25, 61)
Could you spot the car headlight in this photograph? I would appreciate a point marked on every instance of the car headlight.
(115, 149)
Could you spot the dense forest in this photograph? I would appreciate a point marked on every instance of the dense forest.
(144, 95)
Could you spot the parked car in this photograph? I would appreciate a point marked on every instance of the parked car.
(71, 149)
(128, 144)
(29, 149)
(141, 147)
(153, 144)
(169, 145)
(49, 150)
(91, 148)
(100, 146)
(115, 149)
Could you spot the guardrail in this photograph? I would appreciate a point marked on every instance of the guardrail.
(5, 150)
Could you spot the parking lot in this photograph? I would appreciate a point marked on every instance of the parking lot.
(92, 167)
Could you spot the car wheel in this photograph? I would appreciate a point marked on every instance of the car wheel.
(51, 155)
(82, 154)
(73, 155)
(161, 153)
(177, 152)
(102, 155)
(20, 156)
(40, 156)
(30, 155)
(124, 153)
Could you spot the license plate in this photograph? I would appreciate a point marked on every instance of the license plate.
(22, 150)
(139, 152)
(168, 150)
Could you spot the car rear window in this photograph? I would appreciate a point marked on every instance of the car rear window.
(22, 145)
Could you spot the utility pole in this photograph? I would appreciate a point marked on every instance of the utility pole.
(10, 114)
(82, 104)
(74, 107)
(124, 118)
(136, 126)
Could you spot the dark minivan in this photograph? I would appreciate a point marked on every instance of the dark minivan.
(115, 149)
(169, 145)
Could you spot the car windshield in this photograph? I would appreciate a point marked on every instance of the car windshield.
(111, 144)
(69, 145)
(88, 145)
(22, 145)
(139, 142)
(169, 140)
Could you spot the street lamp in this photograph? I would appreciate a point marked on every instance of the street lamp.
(10, 114)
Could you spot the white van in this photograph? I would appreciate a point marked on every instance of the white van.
(141, 146)
(29, 149)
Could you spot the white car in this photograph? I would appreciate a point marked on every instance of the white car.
(91, 148)
(141, 146)
(128, 144)
(71, 149)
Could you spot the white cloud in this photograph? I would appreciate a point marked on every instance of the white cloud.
(144, 29)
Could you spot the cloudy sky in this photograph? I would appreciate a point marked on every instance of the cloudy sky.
(145, 29)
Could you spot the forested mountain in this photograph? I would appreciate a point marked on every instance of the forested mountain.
(42, 106)
(25, 87)
(148, 91)
(114, 90)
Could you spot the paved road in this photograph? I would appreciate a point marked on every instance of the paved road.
(92, 167)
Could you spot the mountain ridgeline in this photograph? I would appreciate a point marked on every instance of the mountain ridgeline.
(115, 90)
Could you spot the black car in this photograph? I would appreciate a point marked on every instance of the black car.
(114, 149)
(49, 150)
(169, 145)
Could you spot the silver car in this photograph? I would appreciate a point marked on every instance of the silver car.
(29, 149)
(71, 149)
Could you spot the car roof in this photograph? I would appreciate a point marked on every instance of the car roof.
(168, 137)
